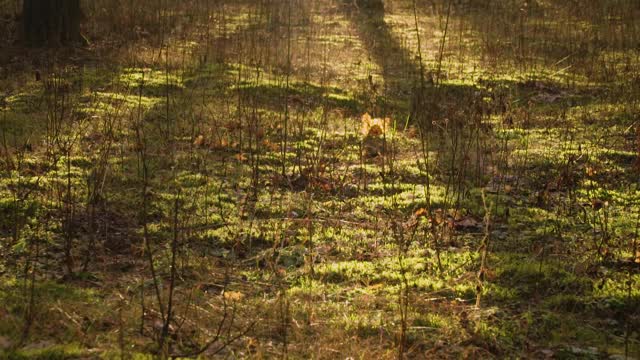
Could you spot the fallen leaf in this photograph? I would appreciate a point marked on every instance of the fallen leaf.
(467, 223)
(420, 212)
(374, 127)
(233, 295)
(199, 141)
(4, 343)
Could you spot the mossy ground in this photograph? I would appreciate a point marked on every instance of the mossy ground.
(309, 260)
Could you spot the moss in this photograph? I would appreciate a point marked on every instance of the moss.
(214, 77)
(542, 300)
(299, 93)
(153, 83)
(566, 303)
(52, 352)
(27, 102)
(51, 291)
(531, 278)
(430, 321)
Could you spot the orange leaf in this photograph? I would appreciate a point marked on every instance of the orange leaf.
(366, 123)
(233, 295)
(199, 141)
(374, 127)
(420, 212)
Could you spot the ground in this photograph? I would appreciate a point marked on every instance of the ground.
(317, 180)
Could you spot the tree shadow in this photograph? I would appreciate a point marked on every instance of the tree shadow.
(399, 69)
(408, 85)
(529, 37)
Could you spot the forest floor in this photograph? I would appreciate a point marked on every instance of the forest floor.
(498, 220)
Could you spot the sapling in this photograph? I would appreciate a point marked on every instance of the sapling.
(484, 251)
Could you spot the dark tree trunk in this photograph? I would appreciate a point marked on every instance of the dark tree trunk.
(52, 22)
(371, 5)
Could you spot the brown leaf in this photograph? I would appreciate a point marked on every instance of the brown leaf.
(219, 145)
(467, 223)
(270, 146)
(598, 204)
(412, 132)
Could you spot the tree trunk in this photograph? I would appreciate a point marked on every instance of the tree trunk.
(371, 5)
(51, 22)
